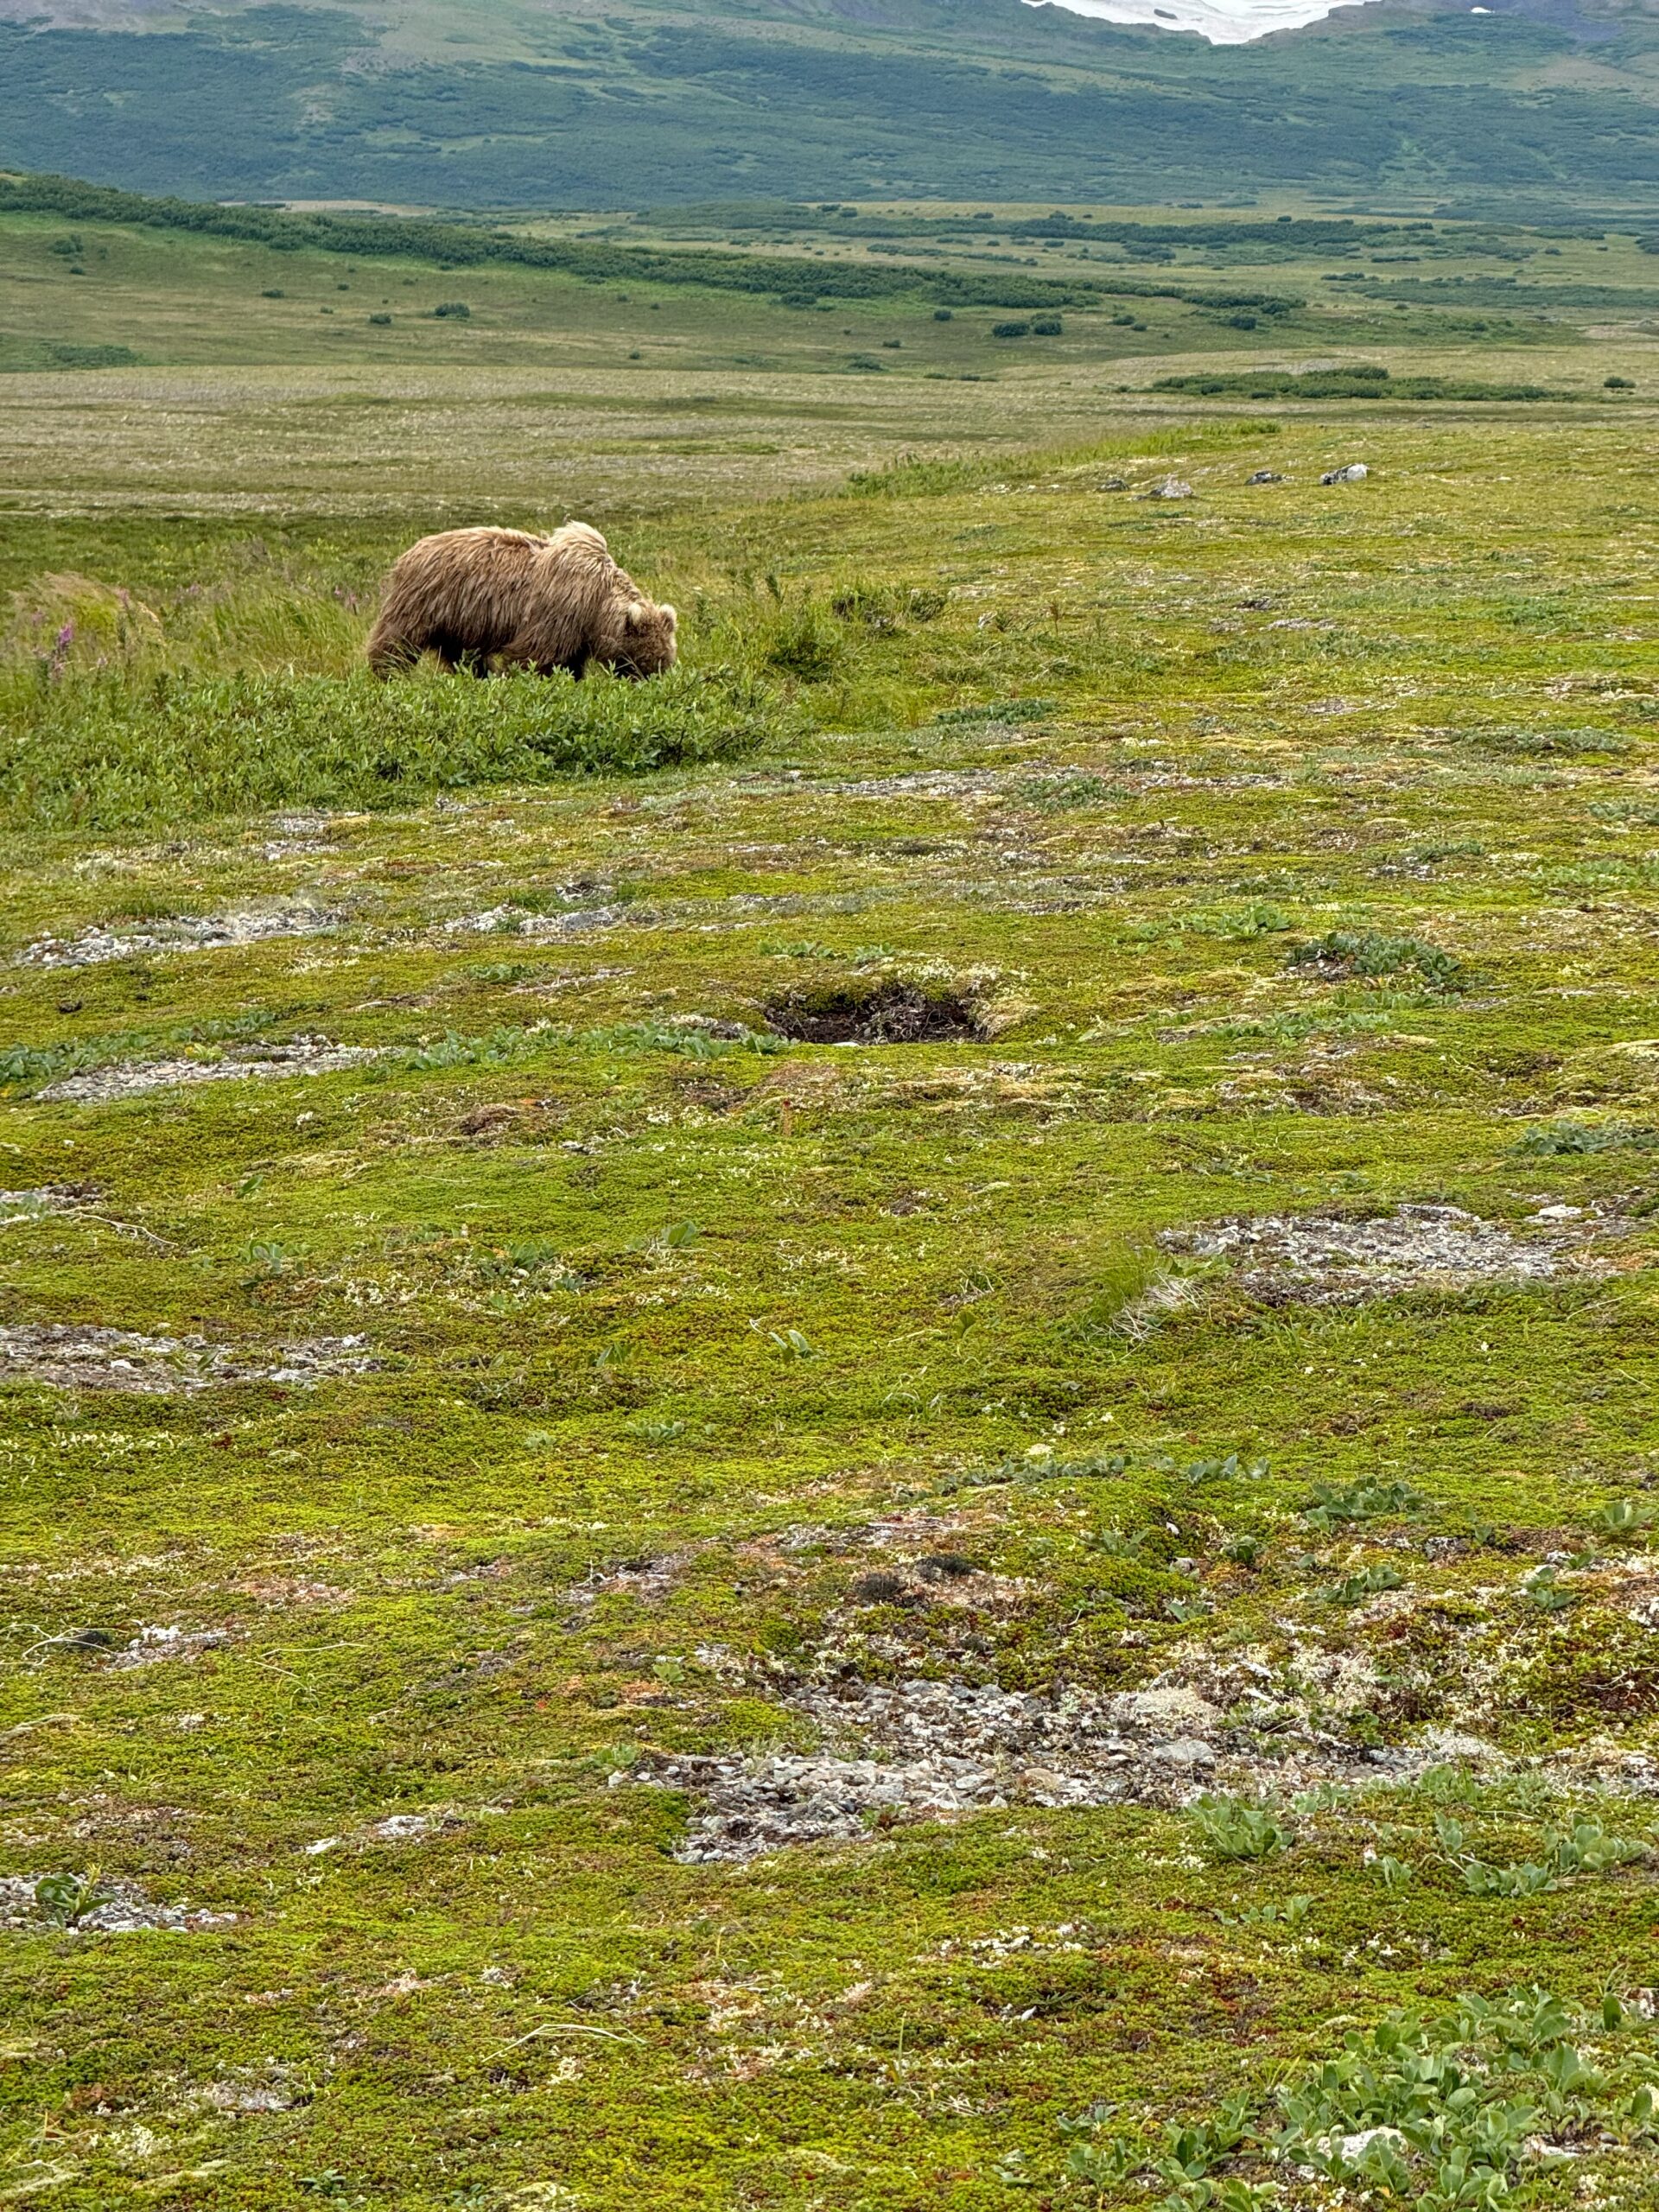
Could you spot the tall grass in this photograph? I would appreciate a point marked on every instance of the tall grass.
(115, 748)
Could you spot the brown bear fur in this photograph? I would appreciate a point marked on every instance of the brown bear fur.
(478, 596)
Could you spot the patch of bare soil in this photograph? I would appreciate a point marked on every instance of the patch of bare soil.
(180, 934)
(111, 1908)
(67, 1357)
(132, 1078)
(1331, 1260)
(892, 1012)
(934, 1750)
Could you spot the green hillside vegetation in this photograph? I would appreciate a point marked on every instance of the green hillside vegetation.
(1358, 383)
(875, 1429)
(534, 107)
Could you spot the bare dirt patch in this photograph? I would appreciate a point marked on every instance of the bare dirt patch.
(1333, 1260)
(180, 934)
(133, 1078)
(891, 1012)
(67, 1357)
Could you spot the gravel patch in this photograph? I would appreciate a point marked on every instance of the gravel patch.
(514, 921)
(69, 1357)
(133, 1078)
(114, 1908)
(933, 1751)
(396, 1828)
(178, 934)
(30, 1206)
(1328, 1260)
(928, 783)
(247, 2097)
(152, 1646)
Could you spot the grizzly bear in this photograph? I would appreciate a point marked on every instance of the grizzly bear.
(478, 598)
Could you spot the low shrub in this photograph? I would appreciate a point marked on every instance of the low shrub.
(100, 749)
(804, 640)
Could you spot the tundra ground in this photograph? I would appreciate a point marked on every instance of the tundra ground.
(866, 1432)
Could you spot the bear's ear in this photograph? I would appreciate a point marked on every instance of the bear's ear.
(634, 619)
(667, 616)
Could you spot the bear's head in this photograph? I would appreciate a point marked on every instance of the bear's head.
(643, 642)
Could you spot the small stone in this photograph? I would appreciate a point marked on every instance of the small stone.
(1267, 476)
(1184, 1751)
(1356, 473)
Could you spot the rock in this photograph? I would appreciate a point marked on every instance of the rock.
(1266, 476)
(1352, 2148)
(1356, 473)
(1171, 488)
(1185, 1751)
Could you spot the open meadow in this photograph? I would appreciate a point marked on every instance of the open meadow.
(874, 1429)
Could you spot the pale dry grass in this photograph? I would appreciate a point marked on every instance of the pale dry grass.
(362, 440)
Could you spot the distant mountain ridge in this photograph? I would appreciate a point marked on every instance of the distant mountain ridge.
(1535, 103)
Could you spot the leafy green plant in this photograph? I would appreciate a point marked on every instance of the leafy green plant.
(1368, 1499)
(1369, 1582)
(1292, 1913)
(1546, 1590)
(1395, 1874)
(1628, 1516)
(1232, 1828)
(686, 1043)
(62, 1898)
(267, 1261)
(1586, 1847)
(1233, 1468)
(1341, 956)
(1448, 2112)
(1568, 1140)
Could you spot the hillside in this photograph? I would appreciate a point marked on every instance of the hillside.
(1541, 104)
